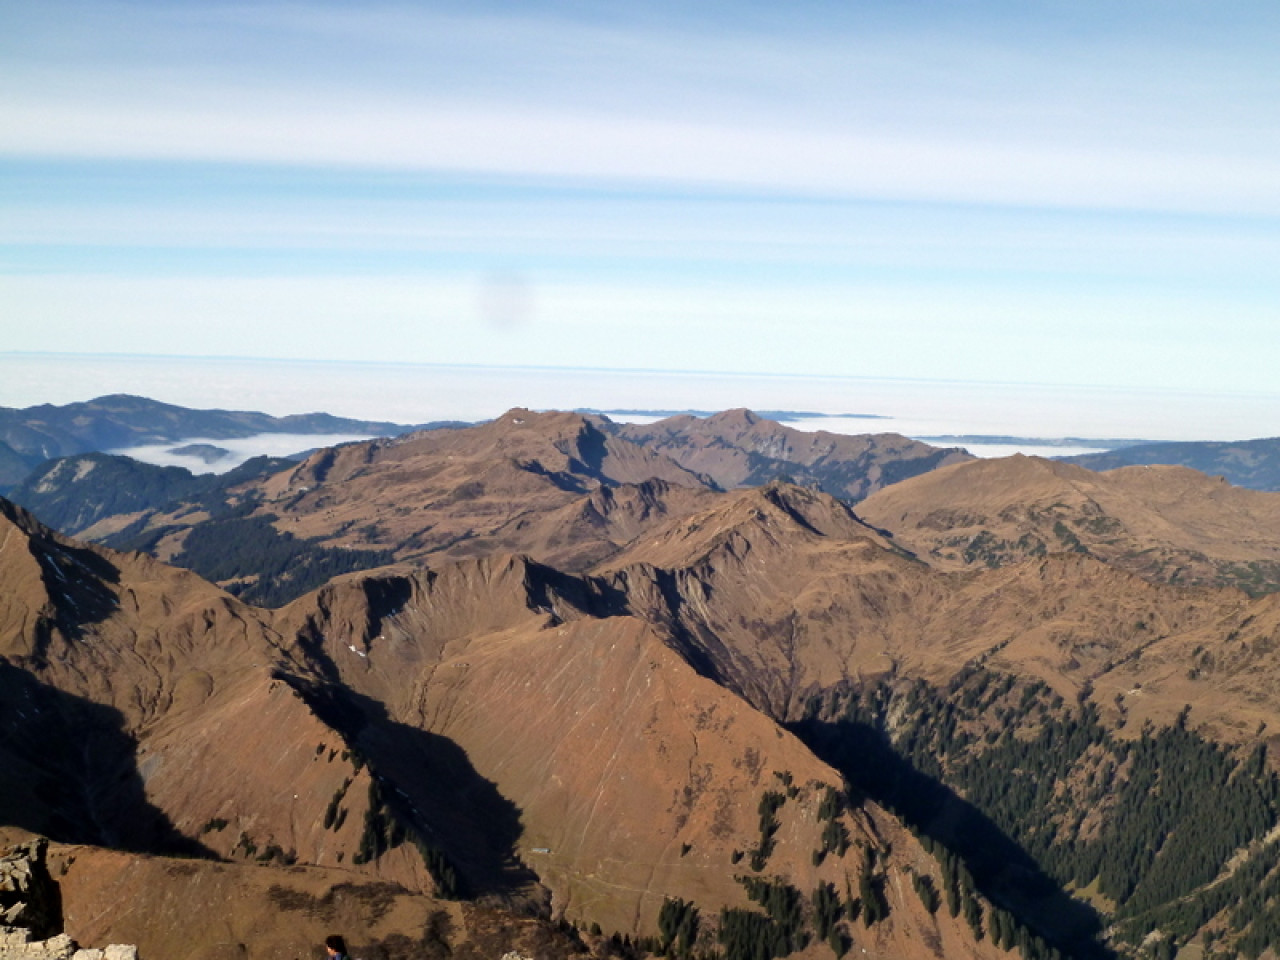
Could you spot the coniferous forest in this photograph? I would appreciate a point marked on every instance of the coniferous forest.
(1160, 837)
(273, 567)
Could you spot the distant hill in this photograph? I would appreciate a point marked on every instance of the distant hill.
(1164, 523)
(1246, 463)
(32, 435)
(554, 486)
(73, 494)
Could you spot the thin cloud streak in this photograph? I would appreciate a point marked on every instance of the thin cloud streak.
(471, 225)
(448, 138)
(883, 112)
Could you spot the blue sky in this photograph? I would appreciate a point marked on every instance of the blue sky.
(1069, 193)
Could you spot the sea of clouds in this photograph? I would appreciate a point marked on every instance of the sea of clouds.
(994, 419)
(237, 450)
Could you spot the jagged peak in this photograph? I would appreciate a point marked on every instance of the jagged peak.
(775, 514)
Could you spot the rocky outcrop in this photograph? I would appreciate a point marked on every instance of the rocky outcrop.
(14, 945)
(29, 897)
(31, 912)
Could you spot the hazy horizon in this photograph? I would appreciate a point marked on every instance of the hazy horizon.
(418, 393)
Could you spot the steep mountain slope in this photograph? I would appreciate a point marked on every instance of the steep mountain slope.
(491, 728)
(999, 710)
(139, 705)
(1164, 523)
(655, 771)
(1254, 464)
(736, 448)
(782, 592)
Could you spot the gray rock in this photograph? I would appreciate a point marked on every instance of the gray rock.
(30, 914)
(28, 894)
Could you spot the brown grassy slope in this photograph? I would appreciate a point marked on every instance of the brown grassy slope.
(521, 727)
(730, 580)
(202, 910)
(613, 753)
(146, 706)
(631, 777)
(567, 444)
(779, 605)
(1163, 523)
(737, 448)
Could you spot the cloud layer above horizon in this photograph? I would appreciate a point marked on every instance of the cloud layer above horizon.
(1059, 192)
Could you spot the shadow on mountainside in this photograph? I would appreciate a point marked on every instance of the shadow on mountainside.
(1002, 870)
(430, 786)
(77, 582)
(592, 448)
(69, 771)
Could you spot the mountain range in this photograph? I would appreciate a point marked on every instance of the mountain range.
(1243, 463)
(571, 489)
(707, 686)
(29, 436)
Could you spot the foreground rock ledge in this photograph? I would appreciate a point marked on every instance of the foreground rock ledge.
(28, 899)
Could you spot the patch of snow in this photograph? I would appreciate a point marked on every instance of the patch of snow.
(57, 572)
